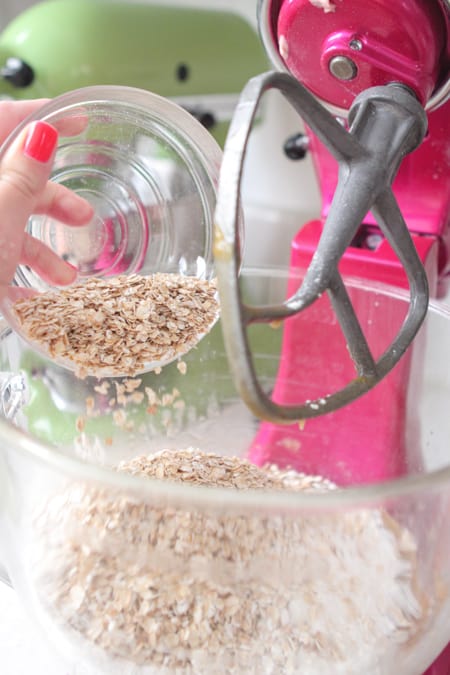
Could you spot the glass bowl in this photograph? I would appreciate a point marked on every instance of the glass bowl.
(133, 574)
(149, 170)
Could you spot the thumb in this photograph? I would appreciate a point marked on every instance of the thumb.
(24, 172)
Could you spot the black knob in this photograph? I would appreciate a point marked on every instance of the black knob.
(17, 72)
(296, 147)
(207, 119)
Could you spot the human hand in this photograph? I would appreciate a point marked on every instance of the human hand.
(25, 189)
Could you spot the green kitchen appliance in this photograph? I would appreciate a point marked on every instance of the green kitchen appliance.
(200, 58)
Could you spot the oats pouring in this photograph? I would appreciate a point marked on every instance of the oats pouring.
(122, 325)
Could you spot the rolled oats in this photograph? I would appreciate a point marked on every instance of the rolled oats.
(121, 324)
(197, 591)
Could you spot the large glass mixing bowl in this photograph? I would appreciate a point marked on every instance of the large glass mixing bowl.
(131, 574)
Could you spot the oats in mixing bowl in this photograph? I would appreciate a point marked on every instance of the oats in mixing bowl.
(120, 324)
(177, 588)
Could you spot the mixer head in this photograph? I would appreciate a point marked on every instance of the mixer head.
(371, 66)
(339, 48)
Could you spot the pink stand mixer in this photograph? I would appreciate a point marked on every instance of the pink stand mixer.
(370, 80)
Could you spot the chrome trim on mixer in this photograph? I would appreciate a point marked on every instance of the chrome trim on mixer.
(13, 394)
(439, 98)
(263, 18)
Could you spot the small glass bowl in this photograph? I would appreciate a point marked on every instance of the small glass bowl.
(150, 171)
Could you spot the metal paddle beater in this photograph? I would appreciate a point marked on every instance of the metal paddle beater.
(385, 124)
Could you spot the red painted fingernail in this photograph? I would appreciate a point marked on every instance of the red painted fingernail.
(40, 142)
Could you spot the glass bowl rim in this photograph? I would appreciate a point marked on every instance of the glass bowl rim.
(168, 110)
(151, 488)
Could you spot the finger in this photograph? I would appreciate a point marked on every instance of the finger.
(13, 294)
(72, 125)
(50, 267)
(61, 203)
(12, 113)
(24, 172)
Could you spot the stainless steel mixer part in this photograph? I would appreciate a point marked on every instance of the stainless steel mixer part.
(386, 123)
